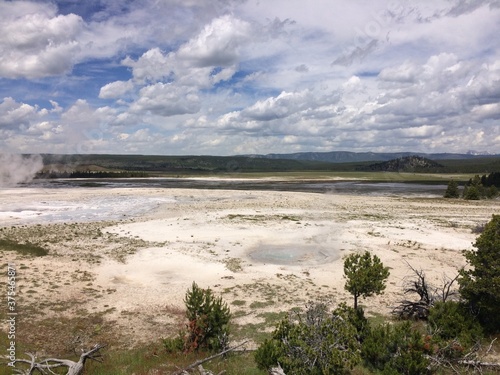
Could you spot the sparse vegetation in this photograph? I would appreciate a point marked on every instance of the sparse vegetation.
(234, 264)
(25, 248)
(259, 305)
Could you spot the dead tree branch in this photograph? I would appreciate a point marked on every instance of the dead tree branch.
(427, 293)
(472, 360)
(45, 366)
(201, 361)
(277, 370)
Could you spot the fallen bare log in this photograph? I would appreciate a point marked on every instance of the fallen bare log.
(201, 361)
(473, 360)
(477, 364)
(74, 368)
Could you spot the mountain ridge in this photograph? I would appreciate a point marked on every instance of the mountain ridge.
(349, 156)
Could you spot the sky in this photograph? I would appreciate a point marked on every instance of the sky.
(230, 77)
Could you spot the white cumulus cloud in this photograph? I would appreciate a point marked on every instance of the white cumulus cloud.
(39, 44)
(218, 44)
(115, 89)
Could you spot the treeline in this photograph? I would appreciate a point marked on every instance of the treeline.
(485, 187)
(493, 179)
(92, 174)
(475, 189)
(189, 164)
(241, 164)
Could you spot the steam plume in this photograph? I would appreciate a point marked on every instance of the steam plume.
(15, 168)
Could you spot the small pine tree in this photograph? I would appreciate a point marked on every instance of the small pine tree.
(208, 318)
(492, 192)
(474, 190)
(452, 190)
(472, 193)
(366, 275)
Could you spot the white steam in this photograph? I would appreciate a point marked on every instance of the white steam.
(15, 168)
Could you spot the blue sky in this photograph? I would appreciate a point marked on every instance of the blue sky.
(227, 77)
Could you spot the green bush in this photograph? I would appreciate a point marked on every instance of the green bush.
(316, 342)
(480, 282)
(452, 320)
(357, 318)
(395, 349)
(268, 354)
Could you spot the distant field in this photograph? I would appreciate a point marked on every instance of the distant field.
(369, 176)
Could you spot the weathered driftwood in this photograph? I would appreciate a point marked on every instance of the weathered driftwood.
(74, 368)
(277, 370)
(199, 362)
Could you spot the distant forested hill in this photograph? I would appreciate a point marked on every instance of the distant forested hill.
(415, 164)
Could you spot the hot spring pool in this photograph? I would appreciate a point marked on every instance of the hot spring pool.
(292, 254)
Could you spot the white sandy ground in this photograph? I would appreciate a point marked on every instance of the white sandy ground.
(268, 251)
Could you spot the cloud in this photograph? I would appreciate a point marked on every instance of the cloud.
(115, 89)
(217, 44)
(405, 73)
(302, 68)
(468, 6)
(419, 132)
(171, 83)
(284, 105)
(486, 111)
(37, 44)
(14, 114)
(357, 53)
(233, 76)
(294, 113)
(153, 65)
(164, 99)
